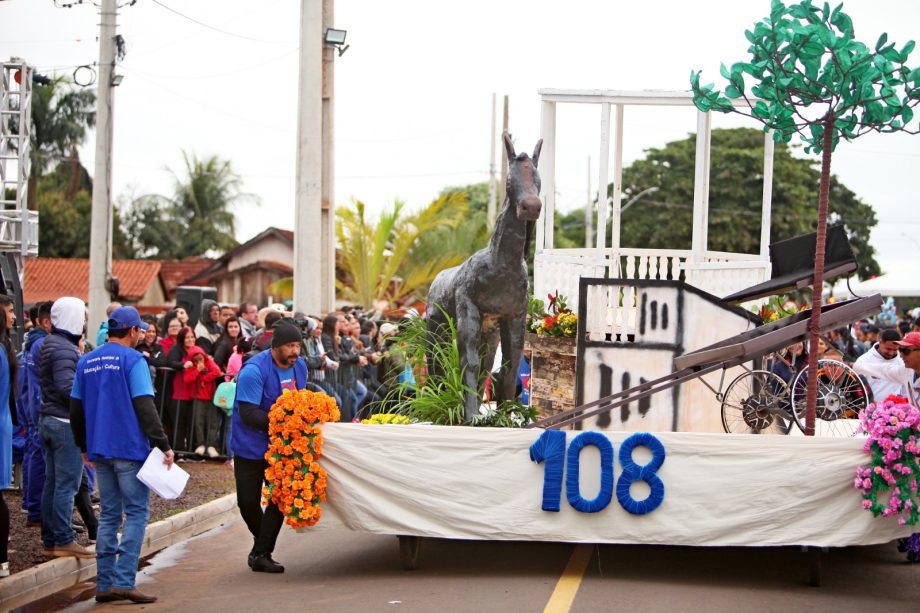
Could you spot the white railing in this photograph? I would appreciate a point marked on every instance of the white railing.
(719, 273)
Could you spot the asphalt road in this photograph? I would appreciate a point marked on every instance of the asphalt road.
(348, 571)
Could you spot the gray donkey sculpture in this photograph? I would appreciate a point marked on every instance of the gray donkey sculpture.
(486, 296)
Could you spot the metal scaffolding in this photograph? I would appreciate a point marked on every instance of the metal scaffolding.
(18, 225)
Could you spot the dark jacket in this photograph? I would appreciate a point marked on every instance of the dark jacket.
(57, 363)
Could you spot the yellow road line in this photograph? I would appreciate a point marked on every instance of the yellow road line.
(564, 595)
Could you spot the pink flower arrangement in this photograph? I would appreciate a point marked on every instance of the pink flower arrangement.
(893, 426)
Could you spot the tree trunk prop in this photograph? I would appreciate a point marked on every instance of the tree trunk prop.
(815, 323)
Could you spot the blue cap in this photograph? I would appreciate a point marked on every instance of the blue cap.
(125, 318)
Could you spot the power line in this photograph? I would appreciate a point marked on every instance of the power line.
(217, 75)
(216, 29)
(247, 119)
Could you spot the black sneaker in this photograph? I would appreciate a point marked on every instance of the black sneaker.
(250, 558)
(264, 564)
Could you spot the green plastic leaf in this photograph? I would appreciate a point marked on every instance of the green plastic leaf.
(881, 41)
(907, 114)
(843, 23)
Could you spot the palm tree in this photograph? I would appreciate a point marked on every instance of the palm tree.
(388, 260)
(204, 198)
(395, 257)
(61, 114)
(201, 206)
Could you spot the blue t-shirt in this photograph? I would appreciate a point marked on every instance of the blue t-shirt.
(249, 384)
(107, 381)
(139, 383)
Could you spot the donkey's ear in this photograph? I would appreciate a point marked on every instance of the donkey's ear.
(536, 152)
(509, 147)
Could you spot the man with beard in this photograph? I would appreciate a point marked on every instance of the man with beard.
(261, 381)
(885, 351)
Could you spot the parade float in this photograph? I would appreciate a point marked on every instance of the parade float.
(656, 451)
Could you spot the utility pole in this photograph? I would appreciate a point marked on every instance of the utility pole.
(100, 243)
(490, 212)
(309, 263)
(589, 217)
(504, 153)
(327, 214)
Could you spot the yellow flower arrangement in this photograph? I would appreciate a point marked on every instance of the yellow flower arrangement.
(296, 482)
(387, 418)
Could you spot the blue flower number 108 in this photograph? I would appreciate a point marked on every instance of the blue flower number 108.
(550, 449)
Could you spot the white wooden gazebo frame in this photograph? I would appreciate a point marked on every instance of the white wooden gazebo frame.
(717, 272)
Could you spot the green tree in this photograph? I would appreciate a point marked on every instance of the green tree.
(662, 219)
(61, 114)
(197, 218)
(395, 257)
(813, 78)
(65, 204)
(476, 194)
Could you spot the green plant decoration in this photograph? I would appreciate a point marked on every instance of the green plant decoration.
(811, 77)
(438, 398)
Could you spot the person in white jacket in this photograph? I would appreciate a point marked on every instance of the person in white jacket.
(904, 372)
(883, 353)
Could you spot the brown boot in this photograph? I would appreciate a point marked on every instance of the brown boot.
(133, 596)
(72, 549)
(108, 596)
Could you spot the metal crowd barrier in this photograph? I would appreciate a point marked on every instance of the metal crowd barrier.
(182, 413)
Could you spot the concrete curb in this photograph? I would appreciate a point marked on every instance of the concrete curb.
(55, 575)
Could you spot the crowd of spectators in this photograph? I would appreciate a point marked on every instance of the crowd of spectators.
(871, 347)
(345, 351)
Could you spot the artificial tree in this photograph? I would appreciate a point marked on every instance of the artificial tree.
(811, 77)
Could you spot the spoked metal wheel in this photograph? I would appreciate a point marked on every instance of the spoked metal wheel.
(842, 396)
(756, 402)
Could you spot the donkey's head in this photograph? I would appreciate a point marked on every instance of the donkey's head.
(523, 187)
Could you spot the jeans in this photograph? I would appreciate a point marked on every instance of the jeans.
(264, 526)
(226, 429)
(33, 474)
(120, 491)
(206, 419)
(84, 505)
(63, 472)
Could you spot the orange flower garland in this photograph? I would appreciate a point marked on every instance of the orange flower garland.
(296, 482)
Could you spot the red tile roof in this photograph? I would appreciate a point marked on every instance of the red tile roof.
(51, 278)
(174, 273)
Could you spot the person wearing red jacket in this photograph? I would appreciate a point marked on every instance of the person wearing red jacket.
(197, 382)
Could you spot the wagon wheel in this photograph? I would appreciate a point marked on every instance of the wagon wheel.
(756, 402)
(409, 548)
(842, 396)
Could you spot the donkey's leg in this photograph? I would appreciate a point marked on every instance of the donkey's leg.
(469, 324)
(512, 331)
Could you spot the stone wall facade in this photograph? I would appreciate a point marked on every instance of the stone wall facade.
(552, 373)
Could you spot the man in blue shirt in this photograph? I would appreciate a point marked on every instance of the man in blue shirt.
(261, 380)
(115, 423)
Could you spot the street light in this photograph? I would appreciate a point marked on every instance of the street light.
(336, 38)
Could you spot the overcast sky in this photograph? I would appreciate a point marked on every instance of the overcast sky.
(414, 91)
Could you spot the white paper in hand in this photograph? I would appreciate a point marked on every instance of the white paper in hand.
(165, 483)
